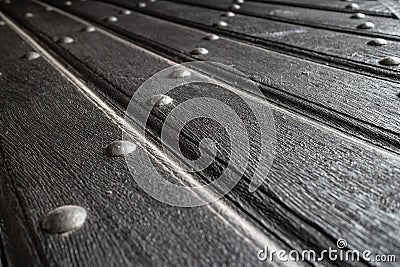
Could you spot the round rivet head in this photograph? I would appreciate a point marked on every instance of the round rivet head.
(119, 148)
(28, 15)
(228, 14)
(366, 25)
(221, 23)
(211, 37)
(89, 29)
(358, 16)
(111, 19)
(68, 3)
(235, 7)
(180, 73)
(390, 61)
(141, 4)
(64, 219)
(378, 42)
(160, 100)
(353, 6)
(32, 55)
(49, 8)
(199, 51)
(239, 1)
(2, 23)
(125, 12)
(66, 40)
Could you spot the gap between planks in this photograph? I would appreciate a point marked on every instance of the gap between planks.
(298, 116)
(254, 236)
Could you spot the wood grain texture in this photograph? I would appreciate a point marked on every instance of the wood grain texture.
(52, 140)
(298, 84)
(368, 7)
(323, 185)
(331, 20)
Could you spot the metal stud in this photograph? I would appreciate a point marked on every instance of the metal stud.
(221, 23)
(228, 14)
(2, 23)
(180, 73)
(111, 19)
(66, 40)
(235, 6)
(64, 219)
(32, 55)
(141, 4)
(366, 25)
(68, 3)
(199, 51)
(160, 100)
(89, 29)
(358, 16)
(378, 42)
(119, 148)
(49, 8)
(211, 37)
(239, 1)
(353, 6)
(125, 12)
(390, 61)
(28, 15)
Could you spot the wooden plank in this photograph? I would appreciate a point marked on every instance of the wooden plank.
(367, 7)
(296, 83)
(327, 44)
(53, 151)
(336, 21)
(303, 200)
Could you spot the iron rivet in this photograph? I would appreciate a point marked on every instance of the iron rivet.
(390, 61)
(239, 1)
(111, 19)
(89, 29)
(49, 8)
(199, 51)
(28, 15)
(180, 73)
(358, 16)
(64, 219)
(141, 4)
(68, 3)
(2, 23)
(66, 40)
(228, 14)
(221, 23)
(211, 37)
(125, 12)
(32, 55)
(119, 148)
(235, 6)
(353, 6)
(378, 42)
(366, 25)
(160, 100)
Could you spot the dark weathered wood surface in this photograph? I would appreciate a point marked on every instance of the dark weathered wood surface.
(336, 21)
(324, 184)
(52, 140)
(368, 7)
(305, 82)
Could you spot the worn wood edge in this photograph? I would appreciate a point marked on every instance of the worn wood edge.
(356, 128)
